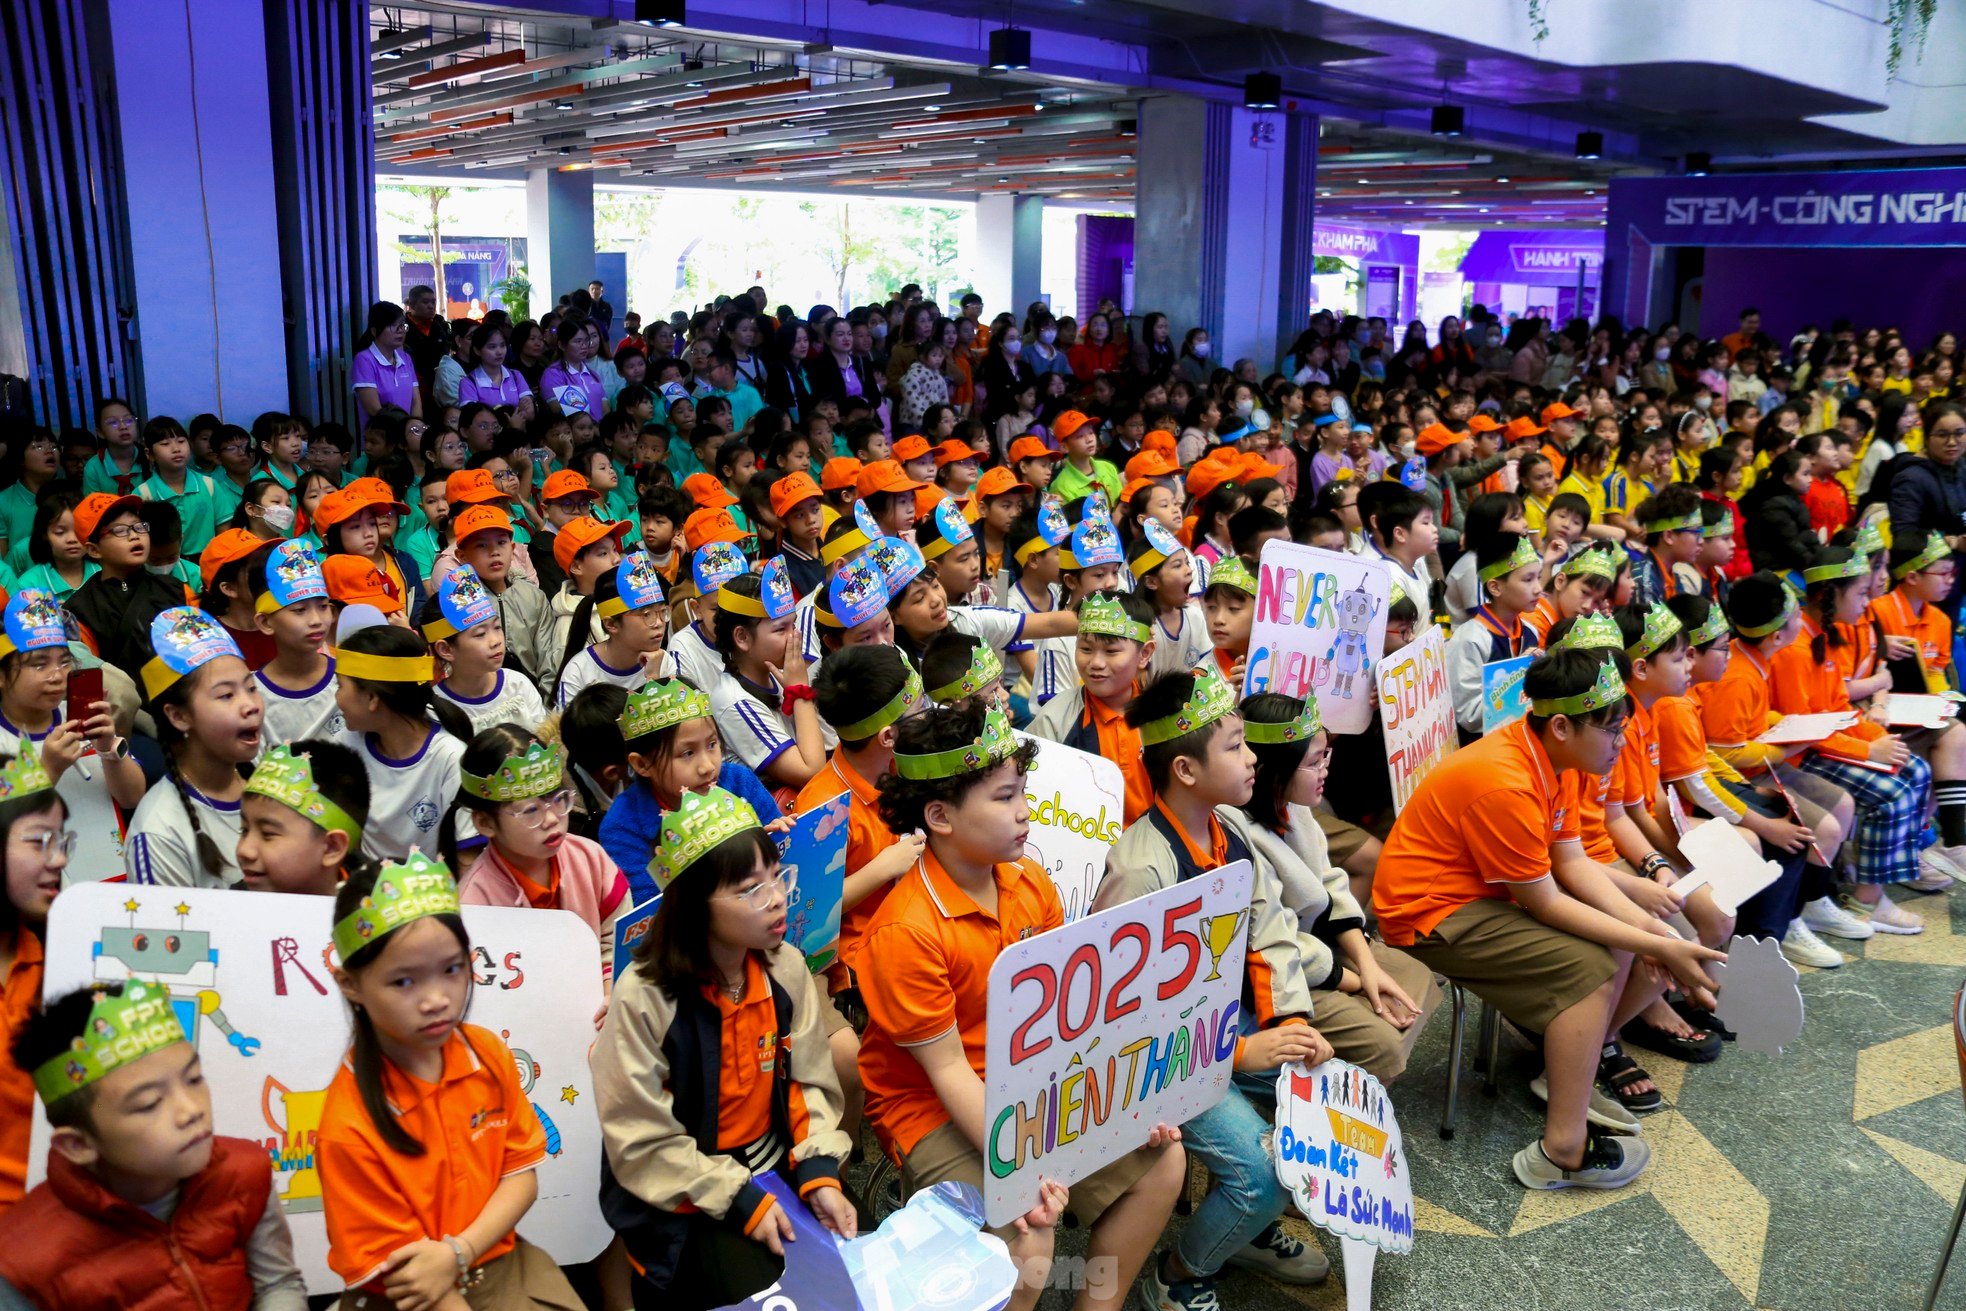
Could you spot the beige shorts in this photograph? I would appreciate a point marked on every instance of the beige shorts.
(1341, 837)
(524, 1279)
(1521, 966)
(944, 1154)
(1356, 1034)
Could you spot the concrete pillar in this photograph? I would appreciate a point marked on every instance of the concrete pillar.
(1010, 253)
(202, 222)
(559, 234)
(1222, 226)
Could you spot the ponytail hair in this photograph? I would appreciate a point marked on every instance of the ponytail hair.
(487, 751)
(412, 701)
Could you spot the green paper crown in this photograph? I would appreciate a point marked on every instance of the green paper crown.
(1591, 633)
(24, 774)
(703, 822)
(653, 707)
(985, 669)
(898, 705)
(1936, 549)
(1855, 567)
(1710, 629)
(1104, 616)
(1307, 724)
(537, 773)
(1661, 626)
(1524, 556)
(1773, 625)
(992, 747)
(404, 892)
(288, 778)
(121, 1029)
(1724, 527)
(1609, 690)
(1230, 571)
(1684, 523)
(1211, 699)
(1870, 536)
(1591, 561)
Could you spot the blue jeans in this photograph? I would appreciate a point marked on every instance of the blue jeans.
(1246, 1198)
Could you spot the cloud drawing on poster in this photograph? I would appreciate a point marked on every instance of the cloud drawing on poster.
(1760, 996)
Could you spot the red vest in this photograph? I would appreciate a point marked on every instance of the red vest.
(71, 1243)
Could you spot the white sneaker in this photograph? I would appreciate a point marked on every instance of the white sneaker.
(1887, 916)
(1604, 1111)
(1803, 947)
(1825, 916)
(1935, 872)
(1950, 859)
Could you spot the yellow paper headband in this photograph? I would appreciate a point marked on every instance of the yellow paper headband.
(385, 669)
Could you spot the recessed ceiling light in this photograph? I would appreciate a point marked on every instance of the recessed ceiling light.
(1503, 178)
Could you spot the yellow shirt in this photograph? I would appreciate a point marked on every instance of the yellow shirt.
(1536, 511)
(1589, 488)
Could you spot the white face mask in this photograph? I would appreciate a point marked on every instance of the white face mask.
(878, 329)
(1011, 348)
(1245, 406)
(1662, 355)
(280, 518)
(160, 570)
(1047, 335)
(1201, 350)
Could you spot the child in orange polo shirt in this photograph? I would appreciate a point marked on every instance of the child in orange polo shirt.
(1909, 616)
(1113, 652)
(716, 1001)
(1465, 885)
(973, 892)
(1577, 586)
(415, 1210)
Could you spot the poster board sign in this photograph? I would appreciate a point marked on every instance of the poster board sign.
(812, 861)
(1320, 626)
(1803, 730)
(1078, 805)
(1502, 701)
(1724, 864)
(1919, 710)
(1416, 708)
(1101, 1029)
(248, 975)
(96, 824)
(629, 930)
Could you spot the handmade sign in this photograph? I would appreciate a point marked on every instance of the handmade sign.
(1913, 710)
(1320, 626)
(1760, 996)
(1502, 702)
(1339, 1151)
(932, 1254)
(1723, 864)
(1416, 709)
(248, 973)
(1078, 801)
(629, 931)
(1801, 730)
(1102, 1029)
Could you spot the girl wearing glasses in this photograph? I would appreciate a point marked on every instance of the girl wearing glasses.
(25, 469)
(514, 792)
(34, 850)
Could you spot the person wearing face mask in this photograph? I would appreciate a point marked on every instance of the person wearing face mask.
(1040, 349)
(1493, 356)
(1005, 372)
(1192, 366)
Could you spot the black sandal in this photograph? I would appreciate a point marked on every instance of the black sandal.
(1700, 1017)
(1617, 1072)
(1703, 1046)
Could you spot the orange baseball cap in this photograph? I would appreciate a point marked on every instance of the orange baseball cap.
(927, 497)
(1151, 464)
(839, 473)
(953, 451)
(1254, 466)
(790, 490)
(581, 533)
(912, 447)
(354, 580)
(1032, 448)
(339, 506)
(229, 547)
(565, 482)
(478, 519)
(711, 525)
(706, 492)
(1523, 429)
(376, 489)
(1160, 439)
(1068, 423)
(1484, 423)
(885, 476)
(472, 487)
(1212, 470)
(99, 506)
(997, 482)
(1134, 488)
(1435, 438)
(1558, 410)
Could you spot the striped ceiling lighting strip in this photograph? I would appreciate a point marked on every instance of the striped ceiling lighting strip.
(464, 68)
(446, 129)
(514, 101)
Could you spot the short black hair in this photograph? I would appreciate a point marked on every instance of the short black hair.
(857, 681)
(904, 801)
(1559, 674)
(1692, 610)
(1251, 522)
(1571, 503)
(52, 1030)
(1755, 601)
(1398, 511)
(1162, 699)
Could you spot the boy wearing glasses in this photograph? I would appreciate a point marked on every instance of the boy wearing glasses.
(115, 607)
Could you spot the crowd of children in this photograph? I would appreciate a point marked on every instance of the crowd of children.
(595, 634)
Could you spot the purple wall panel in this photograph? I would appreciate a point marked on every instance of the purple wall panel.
(1917, 291)
(1105, 249)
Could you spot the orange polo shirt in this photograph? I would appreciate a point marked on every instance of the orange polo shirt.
(1929, 627)
(476, 1127)
(1736, 709)
(1800, 685)
(1594, 793)
(1855, 655)
(19, 996)
(749, 1053)
(1638, 768)
(866, 838)
(1119, 742)
(935, 946)
(1485, 817)
(1542, 619)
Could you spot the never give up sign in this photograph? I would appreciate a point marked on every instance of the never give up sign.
(1107, 1026)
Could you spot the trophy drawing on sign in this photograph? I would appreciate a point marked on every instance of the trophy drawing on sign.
(1221, 930)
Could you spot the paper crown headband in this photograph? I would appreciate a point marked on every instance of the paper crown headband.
(1857, 566)
(837, 548)
(864, 520)
(703, 822)
(1104, 616)
(713, 565)
(120, 1030)
(1302, 727)
(898, 705)
(463, 602)
(1093, 544)
(852, 596)
(1052, 529)
(653, 707)
(1608, 690)
(1724, 527)
(637, 585)
(1211, 699)
(33, 622)
(1936, 549)
(1161, 546)
(404, 892)
(993, 745)
(951, 529)
(1661, 627)
(537, 772)
(900, 563)
(1710, 629)
(1522, 557)
(1773, 625)
(287, 777)
(385, 669)
(184, 638)
(985, 669)
(1870, 536)
(1591, 633)
(293, 575)
(774, 599)
(1230, 571)
(1590, 562)
(1685, 523)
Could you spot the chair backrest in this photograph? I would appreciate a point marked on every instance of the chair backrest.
(1959, 1034)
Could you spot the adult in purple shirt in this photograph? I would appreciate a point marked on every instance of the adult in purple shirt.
(491, 382)
(568, 385)
(383, 373)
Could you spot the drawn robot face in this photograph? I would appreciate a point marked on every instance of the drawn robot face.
(1355, 610)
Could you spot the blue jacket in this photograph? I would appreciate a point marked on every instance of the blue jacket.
(634, 821)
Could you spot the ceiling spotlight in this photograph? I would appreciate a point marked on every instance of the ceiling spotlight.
(1698, 164)
(1010, 48)
(391, 34)
(566, 150)
(659, 13)
(1130, 127)
(1590, 145)
(1262, 91)
(1449, 120)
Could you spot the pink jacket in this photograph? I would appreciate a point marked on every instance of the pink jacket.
(591, 886)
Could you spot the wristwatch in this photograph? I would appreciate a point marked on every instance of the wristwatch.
(121, 750)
